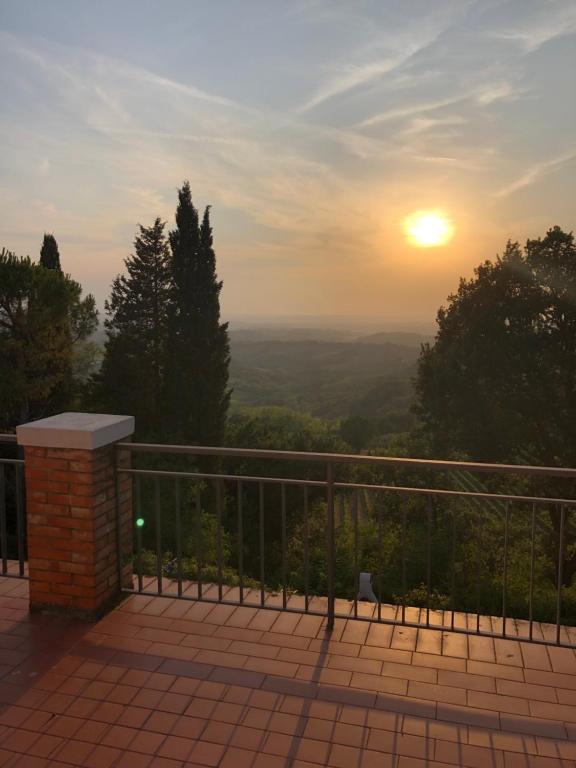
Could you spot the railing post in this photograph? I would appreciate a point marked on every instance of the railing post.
(330, 544)
(75, 501)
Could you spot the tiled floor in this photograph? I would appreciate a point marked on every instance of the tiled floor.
(167, 683)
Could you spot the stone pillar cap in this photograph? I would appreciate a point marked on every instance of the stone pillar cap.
(83, 431)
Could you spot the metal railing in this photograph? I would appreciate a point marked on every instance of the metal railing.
(190, 511)
(12, 511)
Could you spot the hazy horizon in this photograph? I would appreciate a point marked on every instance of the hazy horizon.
(313, 128)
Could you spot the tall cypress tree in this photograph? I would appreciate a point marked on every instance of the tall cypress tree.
(198, 351)
(130, 380)
(49, 254)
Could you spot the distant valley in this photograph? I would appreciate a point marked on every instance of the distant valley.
(329, 373)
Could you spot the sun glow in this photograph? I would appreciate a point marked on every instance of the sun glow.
(428, 229)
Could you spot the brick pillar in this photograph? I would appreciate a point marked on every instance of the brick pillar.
(74, 500)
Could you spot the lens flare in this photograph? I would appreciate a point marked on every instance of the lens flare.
(428, 229)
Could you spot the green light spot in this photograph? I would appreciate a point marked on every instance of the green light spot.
(140, 522)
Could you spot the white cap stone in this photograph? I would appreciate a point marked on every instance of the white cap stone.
(84, 431)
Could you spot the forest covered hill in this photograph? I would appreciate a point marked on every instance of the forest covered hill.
(328, 373)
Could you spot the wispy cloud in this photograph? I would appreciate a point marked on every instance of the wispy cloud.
(348, 78)
(409, 111)
(534, 173)
(552, 20)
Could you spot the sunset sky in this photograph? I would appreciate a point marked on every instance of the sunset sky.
(313, 128)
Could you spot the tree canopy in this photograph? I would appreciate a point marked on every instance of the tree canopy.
(131, 377)
(49, 254)
(198, 353)
(499, 382)
(42, 316)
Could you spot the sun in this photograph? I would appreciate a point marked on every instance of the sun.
(428, 229)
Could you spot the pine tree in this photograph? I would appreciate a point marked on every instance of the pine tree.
(198, 352)
(49, 254)
(130, 380)
(42, 316)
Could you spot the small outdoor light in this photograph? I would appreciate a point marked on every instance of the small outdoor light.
(365, 591)
(139, 522)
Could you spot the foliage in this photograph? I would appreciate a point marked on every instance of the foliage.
(42, 316)
(132, 373)
(49, 254)
(499, 381)
(197, 352)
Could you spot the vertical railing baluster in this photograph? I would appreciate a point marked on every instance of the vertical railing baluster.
(356, 574)
(219, 536)
(283, 536)
(3, 531)
(158, 535)
(261, 520)
(531, 593)
(306, 550)
(380, 563)
(560, 572)
(479, 574)
(404, 584)
(138, 496)
(505, 569)
(118, 511)
(453, 585)
(199, 554)
(428, 557)
(240, 543)
(19, 479)
(178, 516)
(330, 545)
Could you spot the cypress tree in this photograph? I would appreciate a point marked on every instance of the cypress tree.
(49, 254)
(198, 352)
(130, 380)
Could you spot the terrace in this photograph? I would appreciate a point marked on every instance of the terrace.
(195, 672)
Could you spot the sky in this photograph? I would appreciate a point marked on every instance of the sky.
(312, 127)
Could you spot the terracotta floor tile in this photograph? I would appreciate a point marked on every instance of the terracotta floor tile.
(107, 712)
(219, 733)
(147, 742)
(119, 736)
(209, 690)
(19, 740)
(133, 760)
(345, 757)
(311, 750)
(185, 685)
(248, 738)
(91, 731)
(102, 757)
(253, 688)
(200, 708)
(146, 697)
(174, 702)
(271, 761)
(161, 722)
(176, 748)
(64, 726)
(206, 753)
(190, 727)
(75, 752)
(228, 713)
(46, 746)
(133, 717)
(498, 703)
(238, 758)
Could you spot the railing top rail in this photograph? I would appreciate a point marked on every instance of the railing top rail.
(345, 458)
(163, 473)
